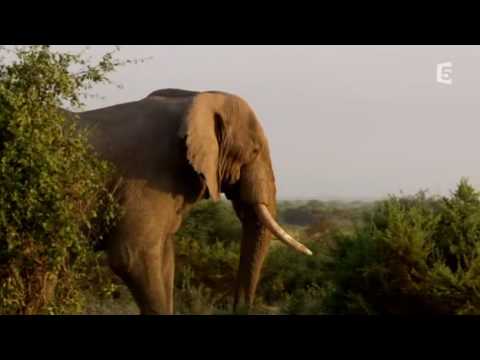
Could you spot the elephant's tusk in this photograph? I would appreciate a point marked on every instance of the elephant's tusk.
(277, 230)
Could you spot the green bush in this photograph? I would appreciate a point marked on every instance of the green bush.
(53, 200)
(287, 273)
(416, 255)
(207, 252)
(405, 255)
(320, 217)
(210, 222)
(306, 301)
(207, 255)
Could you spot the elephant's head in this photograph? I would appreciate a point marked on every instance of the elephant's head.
(227, 147)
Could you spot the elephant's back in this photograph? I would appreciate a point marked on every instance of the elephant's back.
(140, 114)
(173, 93)
(138, 137)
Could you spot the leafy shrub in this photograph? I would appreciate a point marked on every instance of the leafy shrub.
(53, 199)
(286, 272)
(210, 222)
(207, 255)
(305, 301)
(196, 299)
(321, 217)
(207, 252)
(417, 255)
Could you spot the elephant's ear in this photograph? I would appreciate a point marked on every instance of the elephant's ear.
(199, 130)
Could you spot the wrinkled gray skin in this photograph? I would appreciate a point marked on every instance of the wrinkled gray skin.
(172, 149)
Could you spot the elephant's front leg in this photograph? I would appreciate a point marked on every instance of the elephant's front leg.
(147, 276)
(144, 258)
(169, 273)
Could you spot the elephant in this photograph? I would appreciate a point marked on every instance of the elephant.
(171, 149)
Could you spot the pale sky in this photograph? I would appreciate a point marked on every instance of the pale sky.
(343, 121)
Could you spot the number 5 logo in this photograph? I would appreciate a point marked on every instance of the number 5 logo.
(444, 73)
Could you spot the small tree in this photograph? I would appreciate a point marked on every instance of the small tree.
(53, 189)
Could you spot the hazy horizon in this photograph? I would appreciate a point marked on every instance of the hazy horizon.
(343, 122)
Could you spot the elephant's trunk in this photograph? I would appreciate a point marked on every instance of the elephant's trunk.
(254, 248)
(258, 227)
